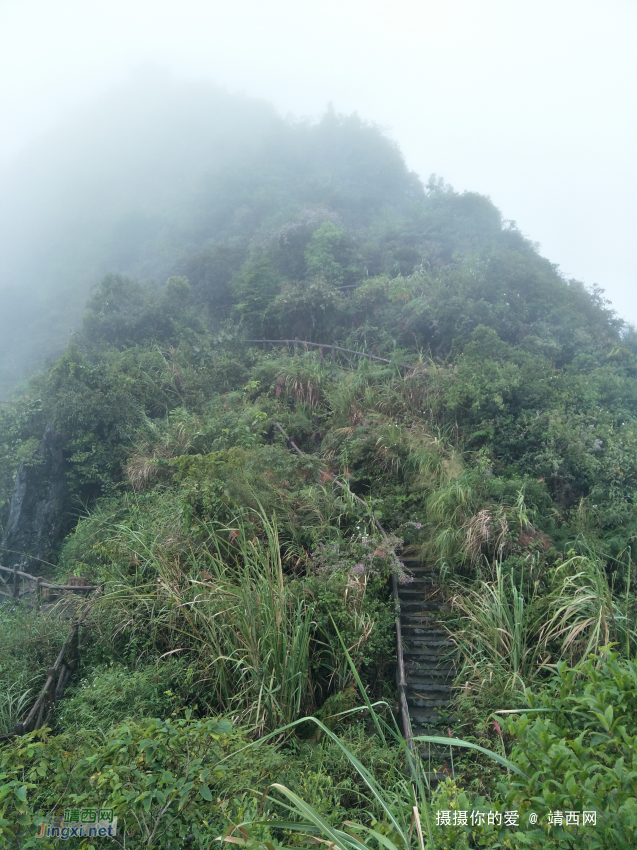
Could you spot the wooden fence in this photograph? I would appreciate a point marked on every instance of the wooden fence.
(56, 681)
(322, 346)
(23, 587)
(323, 349)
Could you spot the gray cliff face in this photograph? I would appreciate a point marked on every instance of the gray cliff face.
(35, 515)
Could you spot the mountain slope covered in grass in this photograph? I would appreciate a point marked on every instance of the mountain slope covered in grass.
(246, 497)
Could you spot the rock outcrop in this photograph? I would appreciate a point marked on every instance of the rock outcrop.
(36, 511)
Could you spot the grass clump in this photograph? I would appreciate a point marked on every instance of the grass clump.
(30, 643)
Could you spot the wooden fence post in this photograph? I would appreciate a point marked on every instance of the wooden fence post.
(65, 664)
(59, 690)
(74, 647)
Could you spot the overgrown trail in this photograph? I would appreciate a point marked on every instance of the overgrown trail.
(426, 647)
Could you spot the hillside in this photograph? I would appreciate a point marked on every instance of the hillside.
(247, 498)
(157, 172)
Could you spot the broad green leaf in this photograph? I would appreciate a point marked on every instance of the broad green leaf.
(341, 840)
(382, 839)
(21, 793)
(457, 742)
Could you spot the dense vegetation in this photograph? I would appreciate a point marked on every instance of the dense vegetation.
(245, 504)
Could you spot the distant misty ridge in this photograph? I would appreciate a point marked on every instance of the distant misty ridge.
(157, 172)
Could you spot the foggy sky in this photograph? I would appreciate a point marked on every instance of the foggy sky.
(531, 102)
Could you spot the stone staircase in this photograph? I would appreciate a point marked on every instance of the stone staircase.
(426, 647)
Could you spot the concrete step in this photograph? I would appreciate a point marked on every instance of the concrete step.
(420, 606)
(416, 588)
(428, 696)
(423, 608)
(435, 671)
(423, 629)
(427, 642)
(417, 620)
(431, 656)
(415, 636)
(429, 703)
(408, 619)
(429, 674)
(429, 685)
(423, 721)
(438, 729)
(411, 602)
(422, 572)
(419, 580)
(417, 663)
(418, 591)
(419, 577)
(421, 657)
(415, 646)
(427, 650)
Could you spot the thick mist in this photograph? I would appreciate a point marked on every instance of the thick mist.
(112, 189)
(156, 171)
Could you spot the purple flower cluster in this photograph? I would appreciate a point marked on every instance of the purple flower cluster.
(362, 556)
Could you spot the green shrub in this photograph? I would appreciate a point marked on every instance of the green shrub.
(155, 774)
(350, 586)
(578, 747)
(112, 694)
(188, 780)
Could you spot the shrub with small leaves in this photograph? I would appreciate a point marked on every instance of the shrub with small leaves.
(577, 744)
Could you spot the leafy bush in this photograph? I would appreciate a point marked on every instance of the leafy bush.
(112, 694)
(350, 586)
(577, 745)
(155, 774)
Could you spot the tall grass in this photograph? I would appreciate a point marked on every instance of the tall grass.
(582, 612)
(496, 635)
(506, 638)
(30, 642)
(257, 633)
(226, 605)
(400, 816)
